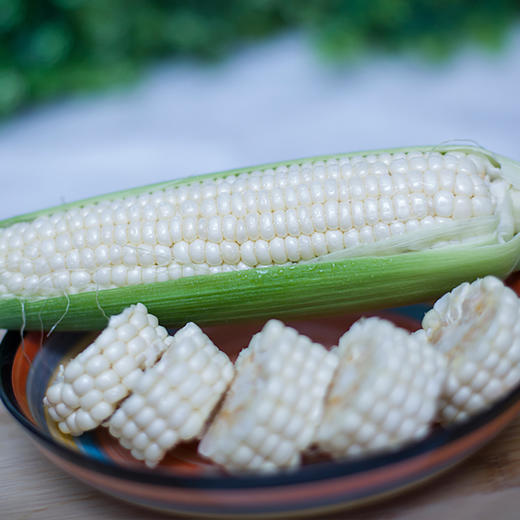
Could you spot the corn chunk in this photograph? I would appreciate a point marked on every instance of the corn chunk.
(385, 391)
(88, 389)
(173, 399)
(477, 327)
(274, 405)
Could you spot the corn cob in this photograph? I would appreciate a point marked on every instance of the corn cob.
(172, 401)
(288, 236)
(385, 391)
(274, 405)
(88, 389)
(477, 327)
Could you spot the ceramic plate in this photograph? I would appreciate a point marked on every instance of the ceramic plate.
(185, 483)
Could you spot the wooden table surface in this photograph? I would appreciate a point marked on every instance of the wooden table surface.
(487, 486)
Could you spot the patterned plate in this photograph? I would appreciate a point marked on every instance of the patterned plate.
(185, 483)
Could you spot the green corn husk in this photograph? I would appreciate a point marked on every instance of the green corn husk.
(389, 274)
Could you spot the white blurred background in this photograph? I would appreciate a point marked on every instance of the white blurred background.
(271, 101)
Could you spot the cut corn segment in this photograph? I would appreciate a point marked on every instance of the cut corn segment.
(477, 327)
(173, 399)
(385, 391)
(88, 389)
(274, 405)
(279, 216)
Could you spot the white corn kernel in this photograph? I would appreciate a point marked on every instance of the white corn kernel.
(387, 384)
(96, 380)
(166, 405)
(256, 420)
(474, 327)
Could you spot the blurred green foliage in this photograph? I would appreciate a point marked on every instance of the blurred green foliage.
(52, 47)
